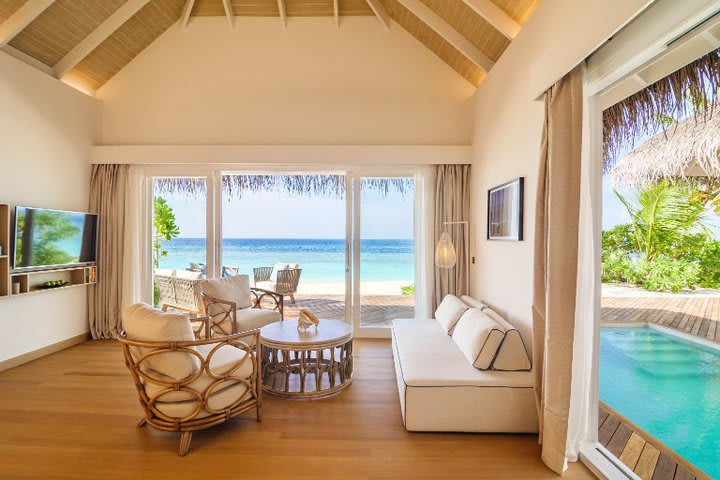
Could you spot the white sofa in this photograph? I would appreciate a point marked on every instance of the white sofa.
(441, 391)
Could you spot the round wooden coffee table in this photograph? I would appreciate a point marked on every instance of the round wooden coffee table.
(314, 363)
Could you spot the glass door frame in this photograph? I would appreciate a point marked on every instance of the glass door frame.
(420, 237)
(353, 175)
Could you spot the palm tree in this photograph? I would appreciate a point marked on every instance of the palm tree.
(661, 214)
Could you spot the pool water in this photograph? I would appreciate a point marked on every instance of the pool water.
(667, 386)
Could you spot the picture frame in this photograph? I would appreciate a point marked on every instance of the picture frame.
(505, 211)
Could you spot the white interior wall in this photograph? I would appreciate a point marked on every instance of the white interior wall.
(507, 132)
(310, 84)
(47, 130)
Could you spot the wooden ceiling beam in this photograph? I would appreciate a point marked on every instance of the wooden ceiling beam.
(447, 32)
(17, 22)
(283, 12)
(227, 6)
(380, 13)
(187, 10)
(495, 16)
(336, 12)
(97, 36)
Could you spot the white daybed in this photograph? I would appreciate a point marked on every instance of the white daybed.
(441, 390)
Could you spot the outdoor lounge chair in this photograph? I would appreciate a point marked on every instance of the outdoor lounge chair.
(282, 278)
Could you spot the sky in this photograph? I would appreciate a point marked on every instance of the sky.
(276, 214)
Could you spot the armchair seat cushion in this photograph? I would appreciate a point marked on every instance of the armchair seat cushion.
(224, 393)
(251, 319)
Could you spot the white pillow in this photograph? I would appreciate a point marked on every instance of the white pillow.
(188, 275)
(512, 355)
(144, 323)
(165, 272)
(231, 289)
(449, 312)
(478, 337)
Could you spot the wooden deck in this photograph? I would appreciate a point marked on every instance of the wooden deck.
(694, 315)
(375, 311)
(639, 451)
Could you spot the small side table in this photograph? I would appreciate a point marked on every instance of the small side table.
(292, 358)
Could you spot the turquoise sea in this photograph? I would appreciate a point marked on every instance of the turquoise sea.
(320, 259)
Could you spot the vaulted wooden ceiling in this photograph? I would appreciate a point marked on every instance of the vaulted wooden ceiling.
(86, 42)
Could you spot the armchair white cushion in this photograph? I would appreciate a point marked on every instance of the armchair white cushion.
(449, 312)
(276, 268)
(145, 323)
(478, 337)
(231, 289)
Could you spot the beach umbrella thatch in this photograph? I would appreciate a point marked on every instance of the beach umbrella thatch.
(688, 149)
(236, 185)
(690, 92)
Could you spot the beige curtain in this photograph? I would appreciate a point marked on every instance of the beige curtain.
(556, 249)
(452, 204)
(108, 187)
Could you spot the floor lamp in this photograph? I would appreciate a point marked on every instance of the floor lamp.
(446, 256)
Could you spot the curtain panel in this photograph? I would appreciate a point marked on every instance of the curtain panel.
(556, 263)
(452, 204)
(108, 187)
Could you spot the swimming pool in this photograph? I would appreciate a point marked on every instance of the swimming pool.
(668, 386)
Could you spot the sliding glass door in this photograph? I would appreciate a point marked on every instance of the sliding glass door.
(385, 252)
(343, 245)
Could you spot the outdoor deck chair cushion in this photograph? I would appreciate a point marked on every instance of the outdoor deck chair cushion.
(276, 268)
(512, 355)
(478, 337)
(188, 275)
(144, 323)
(449, 312)
(181, 403)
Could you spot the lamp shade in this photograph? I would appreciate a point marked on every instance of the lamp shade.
(445, 256)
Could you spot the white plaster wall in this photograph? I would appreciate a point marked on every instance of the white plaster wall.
(507, 132)
(310, 84)
(46, 130)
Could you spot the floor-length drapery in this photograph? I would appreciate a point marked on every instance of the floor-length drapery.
(137, 250)
(108, 188)
(452, 204)
(555, 263)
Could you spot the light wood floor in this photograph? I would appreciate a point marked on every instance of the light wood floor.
(72, 415)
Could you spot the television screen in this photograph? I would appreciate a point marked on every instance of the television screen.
(51, 238)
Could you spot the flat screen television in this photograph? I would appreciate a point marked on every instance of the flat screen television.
(53, 238)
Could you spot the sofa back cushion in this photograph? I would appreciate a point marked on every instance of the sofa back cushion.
(478, 337)
(449, 312)
(144, 323)
(512, 355)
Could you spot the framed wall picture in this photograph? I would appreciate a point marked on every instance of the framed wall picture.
(505, 211)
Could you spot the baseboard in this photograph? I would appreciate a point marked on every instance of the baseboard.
(41, 352)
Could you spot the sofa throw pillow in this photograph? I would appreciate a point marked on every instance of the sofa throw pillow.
(449, 312)
(478, 337)
(145, 323)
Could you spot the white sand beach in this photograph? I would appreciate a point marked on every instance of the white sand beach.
(338, 288)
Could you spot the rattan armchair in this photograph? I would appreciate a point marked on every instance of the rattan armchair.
(233, 307)
(226, 383)
(286, 281)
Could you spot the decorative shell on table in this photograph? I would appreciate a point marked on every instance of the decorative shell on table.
(307, 320)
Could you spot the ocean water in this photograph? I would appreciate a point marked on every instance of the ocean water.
(669, 387)
(320, 260)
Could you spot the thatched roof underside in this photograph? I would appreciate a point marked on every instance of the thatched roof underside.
(689, 149)
(295, 185)
(691, 91)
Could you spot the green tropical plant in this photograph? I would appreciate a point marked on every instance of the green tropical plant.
(660, 215)
(407, 290)
(164, 228)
